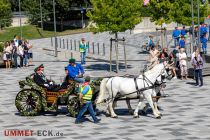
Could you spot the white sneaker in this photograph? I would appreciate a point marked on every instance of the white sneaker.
(174, 77)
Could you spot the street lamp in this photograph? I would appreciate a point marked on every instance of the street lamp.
(21, 32)
(198, 10)
(56, 44)
(193, 35)
(41, 14)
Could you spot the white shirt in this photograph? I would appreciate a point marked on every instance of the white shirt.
(183, 56)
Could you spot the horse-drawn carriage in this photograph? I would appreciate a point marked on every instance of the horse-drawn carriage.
(33, 99)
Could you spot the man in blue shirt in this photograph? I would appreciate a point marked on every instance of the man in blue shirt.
(176, 35)
(203, 30)
(184, 32)
(75, 71)
(204, 44)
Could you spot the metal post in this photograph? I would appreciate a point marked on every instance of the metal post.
(82, 11)
(98, 48)
(75, 45)
(56, 42)
(21, 32)
(125, 54)
(103, 49)
(60, 43)
(41, 14)
(51, 42)
(88, 46)
(110, 65)
(71, 44)
(116, 49)
(193, 35)
(67, 44)
(93, 48)
(63, 44)
(198, 9)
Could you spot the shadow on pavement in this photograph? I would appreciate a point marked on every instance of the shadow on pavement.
(106, 66)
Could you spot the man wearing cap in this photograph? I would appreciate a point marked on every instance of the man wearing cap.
(85, 97)
(82, 49)
(41, 79)
(75, 71)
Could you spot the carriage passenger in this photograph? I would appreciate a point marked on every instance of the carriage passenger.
(75, 71)
(42, 81)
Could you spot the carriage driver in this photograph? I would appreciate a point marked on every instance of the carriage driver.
(85, 97)
(75, 71)
(41, 79)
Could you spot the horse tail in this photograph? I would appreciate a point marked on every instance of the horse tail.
(103, 89)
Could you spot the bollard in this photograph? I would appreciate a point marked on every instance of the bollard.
(75, 45)
(78, 44)
(98, 48)
(103, 49)
(63, 44)
(71, 45)
(71, 55)
(60, 42)
(88, 46)
(67, 44)
(93, 48)
(51, 42)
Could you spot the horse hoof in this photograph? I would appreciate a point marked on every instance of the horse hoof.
(161, 114)
(158, 117)
(136, 116)
(114, 116)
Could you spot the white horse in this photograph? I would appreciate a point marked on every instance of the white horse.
(127, 87)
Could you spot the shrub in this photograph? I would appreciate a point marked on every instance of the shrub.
(1, 47)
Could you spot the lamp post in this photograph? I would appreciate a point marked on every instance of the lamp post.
(40, 2)
(193, 35)
(198, 10)
(56, 44)
(21, 32)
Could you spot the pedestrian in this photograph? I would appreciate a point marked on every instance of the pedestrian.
(83, 46)
(25, 53)
(14, 53)
(176, 35)
(184, 32)
(85, 97)
(182, 42)
(75, 71)
(150, 42)
(7, 56)
(203, 30)
(30, 53)
(21, 52)
(183, 63)
(172, 65)
(198, 66)
(204, 44)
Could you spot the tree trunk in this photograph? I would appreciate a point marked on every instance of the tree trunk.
(116, 49)
(61, 23)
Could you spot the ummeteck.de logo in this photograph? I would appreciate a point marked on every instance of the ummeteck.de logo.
(25, 133)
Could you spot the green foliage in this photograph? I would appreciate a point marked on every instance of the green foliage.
(5, 13)
(1, 47)
(115, 16)
(166, 11)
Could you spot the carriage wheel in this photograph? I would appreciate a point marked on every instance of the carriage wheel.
(28, 102)
(73, 105)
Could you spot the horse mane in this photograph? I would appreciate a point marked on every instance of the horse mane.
(154, 69)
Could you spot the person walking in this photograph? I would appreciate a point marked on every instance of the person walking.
(184, 32)
(14, 53)
(198, 66)
(83, 50)
(182, 42)
(183, 63)
(85, 97)
(25, 54)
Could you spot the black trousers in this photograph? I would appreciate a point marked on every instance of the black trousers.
(198, 76)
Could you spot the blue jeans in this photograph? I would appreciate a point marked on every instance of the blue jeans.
(86, 106)
(79, 80)
(83, 56)
(25, 60)
(176, 41)
(204, 50)
(198, 75)
(15, 60)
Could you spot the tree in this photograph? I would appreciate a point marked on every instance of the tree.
(5, 13)
(62, 7)
(115, 16)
